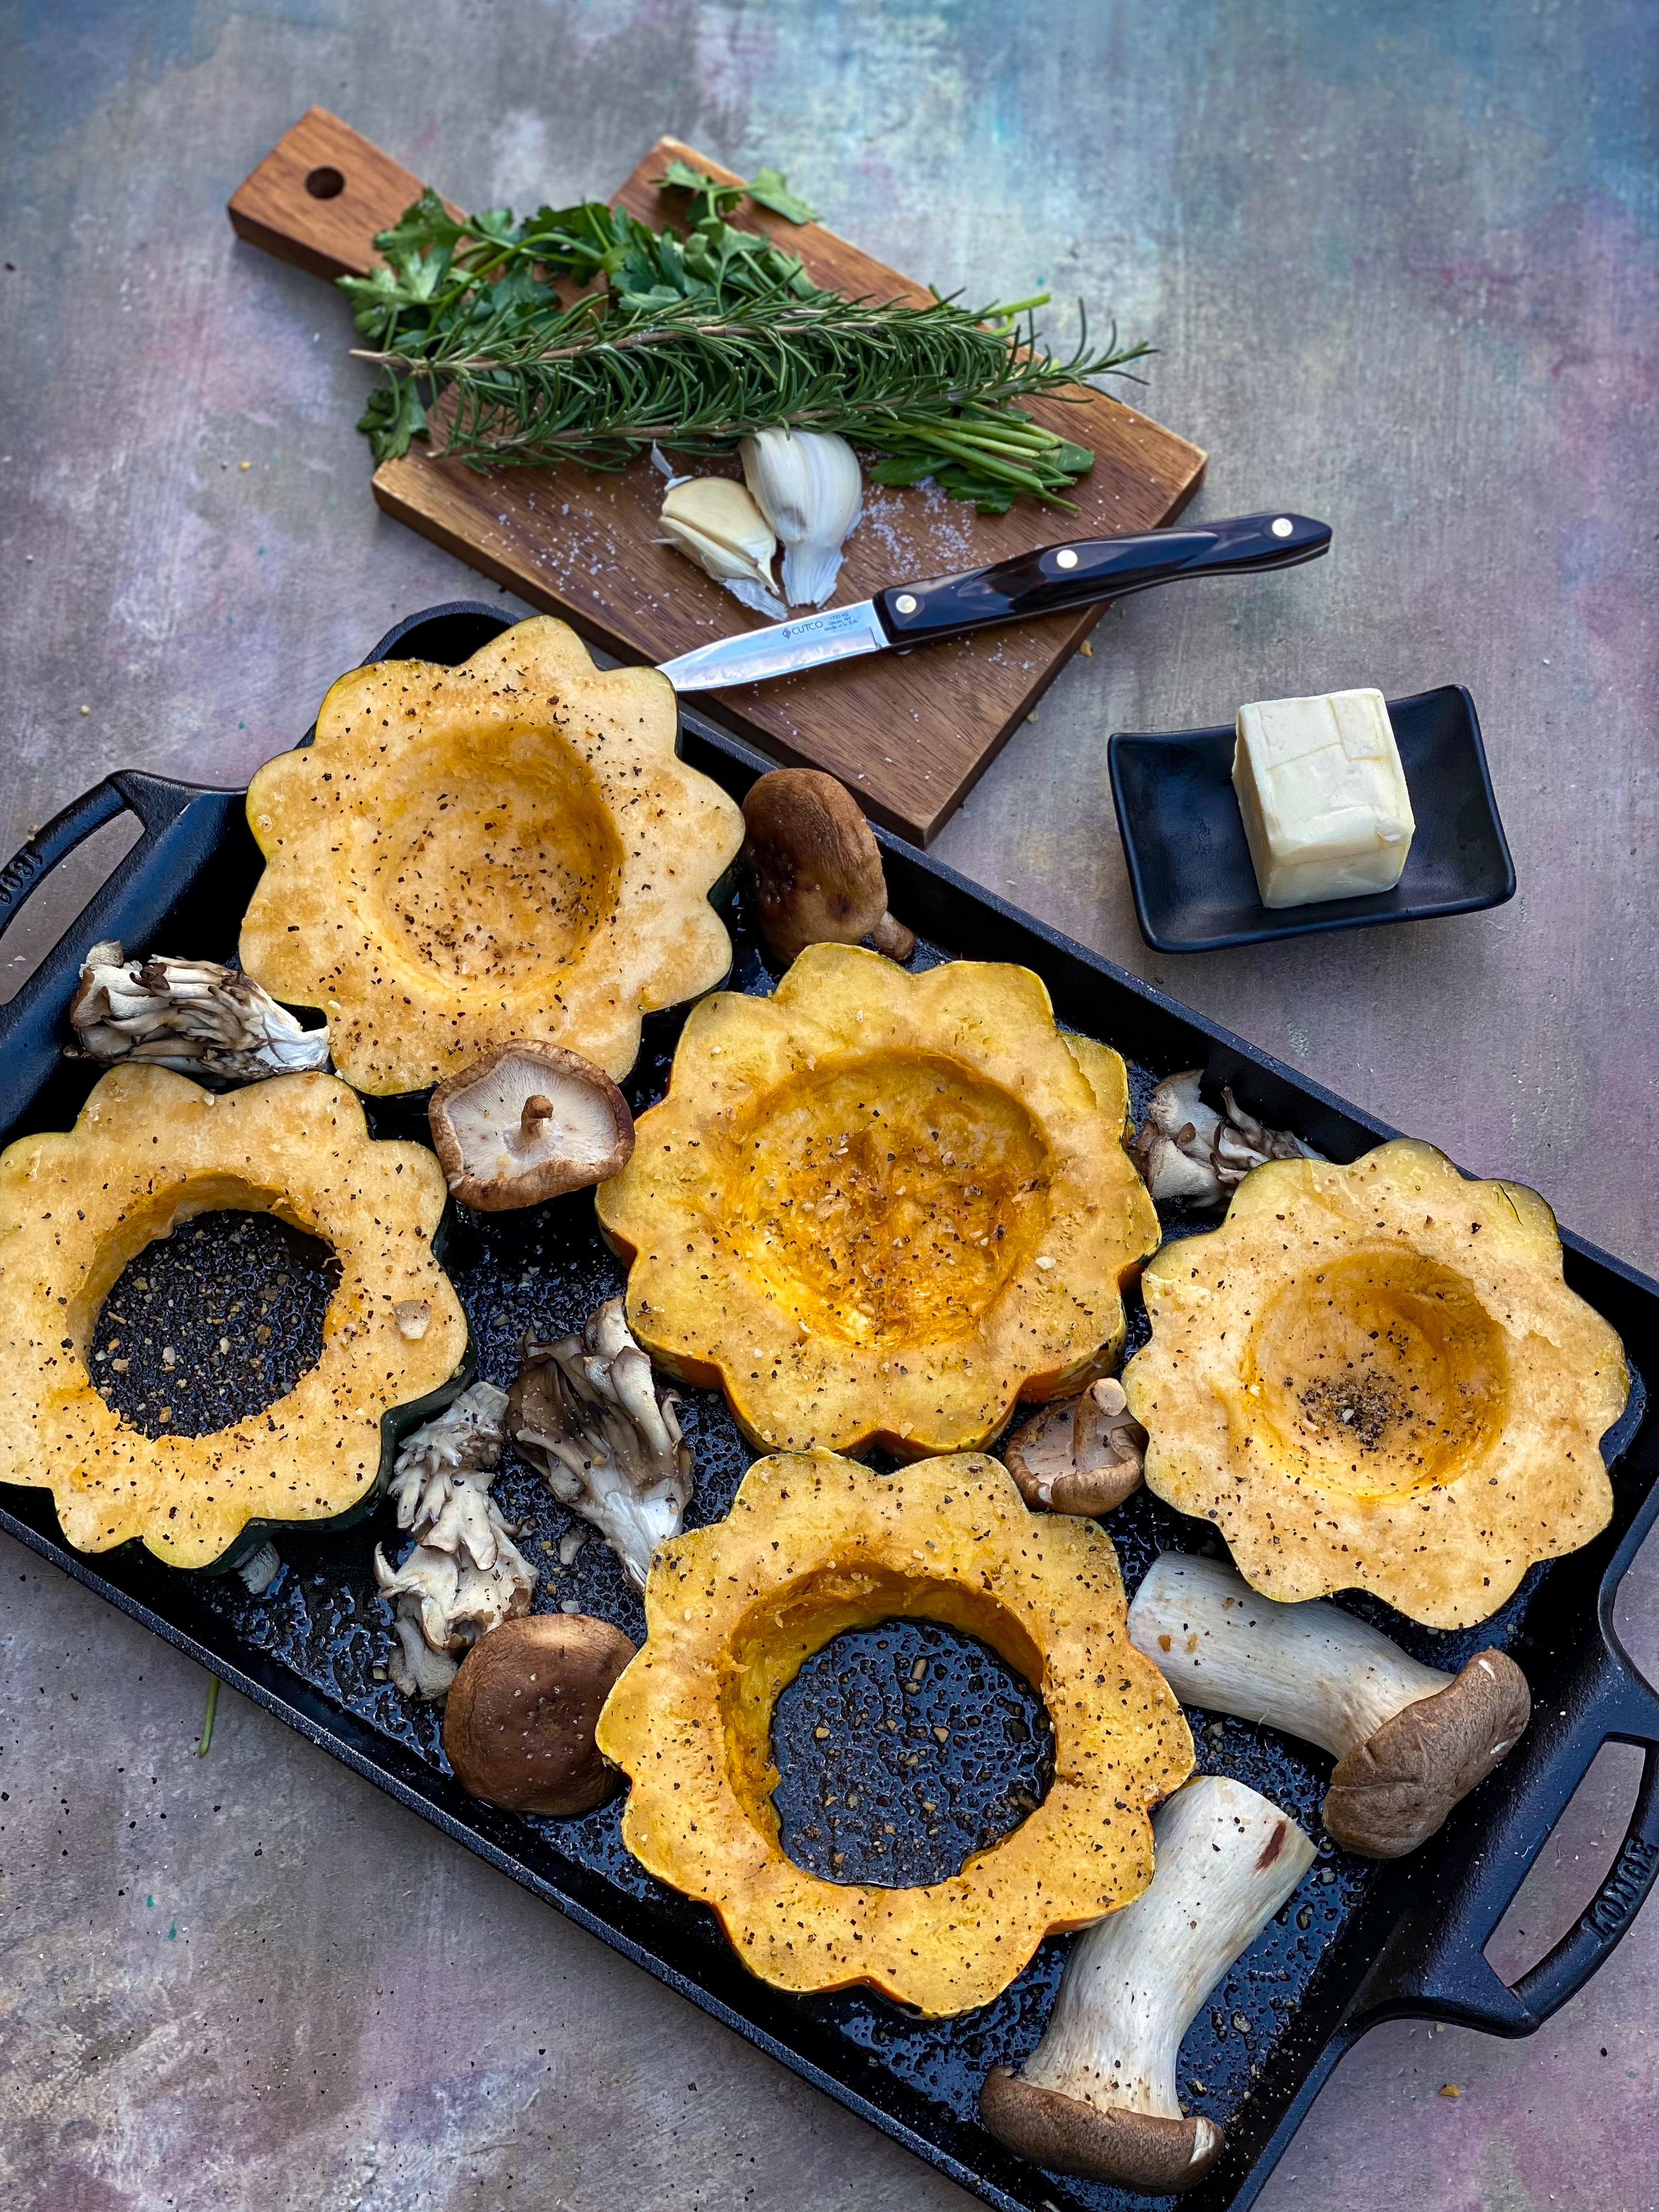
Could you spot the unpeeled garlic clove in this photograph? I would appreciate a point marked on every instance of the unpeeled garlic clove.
(808, 487)
(716, 523)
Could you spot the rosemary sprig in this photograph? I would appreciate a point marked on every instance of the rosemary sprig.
(692, 342)
(206, 1736)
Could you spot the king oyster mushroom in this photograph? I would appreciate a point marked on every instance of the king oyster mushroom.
(1409, 1740)
(195, 1016)
(1098, 2096)
(525, 1122)
(818, 876)
(587, 1412)
(1082, 1455)
(1186, 1149)
(464, 1574)
(520, 1723)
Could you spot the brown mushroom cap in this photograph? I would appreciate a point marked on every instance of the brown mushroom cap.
(518, 1727)
(1136, 2150)
(1082, 1455)
(818, 876)
(1396, 1788)
(526, 1122)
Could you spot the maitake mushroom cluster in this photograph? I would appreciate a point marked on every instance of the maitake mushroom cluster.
(587, 1413)
(1186, 1149)
(191, 1015)
(464, 1574)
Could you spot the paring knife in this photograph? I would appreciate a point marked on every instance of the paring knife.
(1071, 574)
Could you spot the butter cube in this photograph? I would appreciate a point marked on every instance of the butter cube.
(1327, 813)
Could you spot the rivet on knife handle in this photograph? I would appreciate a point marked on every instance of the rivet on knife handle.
(1085, 570)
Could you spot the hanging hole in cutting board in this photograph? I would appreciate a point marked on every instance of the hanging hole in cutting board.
(325, 184)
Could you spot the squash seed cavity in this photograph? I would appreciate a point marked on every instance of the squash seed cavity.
(216, 1321)
(902, 1751)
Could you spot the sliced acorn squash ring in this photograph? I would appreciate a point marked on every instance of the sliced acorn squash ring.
(150, 1149)
(815, 1545)
(879, 1207)
(1374, 1377)
(508, 849)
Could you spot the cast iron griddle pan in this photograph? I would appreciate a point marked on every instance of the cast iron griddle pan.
(1359, 1941)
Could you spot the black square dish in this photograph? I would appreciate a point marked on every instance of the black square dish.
(1189, 866)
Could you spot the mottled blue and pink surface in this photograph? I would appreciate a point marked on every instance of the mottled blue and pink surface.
(1402, 263)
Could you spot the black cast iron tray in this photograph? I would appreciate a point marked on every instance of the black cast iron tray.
(1357, 1943)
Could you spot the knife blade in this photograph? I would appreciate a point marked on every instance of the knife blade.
(1072, 573)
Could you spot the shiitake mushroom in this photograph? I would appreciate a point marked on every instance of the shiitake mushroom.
(520, 1723)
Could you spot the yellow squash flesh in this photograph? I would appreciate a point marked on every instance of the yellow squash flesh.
(880, 1207)
(1374, 1376)
(507, 849)
(148, 1150)
(815, 1545)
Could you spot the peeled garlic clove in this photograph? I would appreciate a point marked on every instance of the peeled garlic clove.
(808, 487)
(714, 521)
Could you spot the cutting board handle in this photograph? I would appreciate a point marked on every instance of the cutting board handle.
(320, 196)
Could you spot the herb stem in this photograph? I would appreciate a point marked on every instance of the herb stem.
(694, 342)
(207, 1718)
(968, 449)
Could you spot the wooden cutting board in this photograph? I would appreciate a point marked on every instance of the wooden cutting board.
(909, 734)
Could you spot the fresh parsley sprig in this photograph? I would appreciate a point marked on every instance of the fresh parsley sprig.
(581, 333)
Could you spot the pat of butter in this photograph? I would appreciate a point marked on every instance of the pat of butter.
(1327, 813)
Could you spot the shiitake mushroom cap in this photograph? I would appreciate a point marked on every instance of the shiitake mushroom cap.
(520, 1723)
(1083, 1454)
(817, 866)
(527, 1122)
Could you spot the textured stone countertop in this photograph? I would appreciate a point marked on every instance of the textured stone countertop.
(1402, 264)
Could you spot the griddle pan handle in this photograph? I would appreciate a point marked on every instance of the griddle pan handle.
(1434, 1965)
(182, 825)
(29, 866)
(157, 802)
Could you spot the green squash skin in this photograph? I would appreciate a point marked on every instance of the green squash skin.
(400, 1422)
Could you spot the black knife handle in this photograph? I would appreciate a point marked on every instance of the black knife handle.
(1078, 571)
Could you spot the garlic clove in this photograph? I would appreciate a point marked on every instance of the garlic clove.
(807, 485)
(716, 521)
(722, 561)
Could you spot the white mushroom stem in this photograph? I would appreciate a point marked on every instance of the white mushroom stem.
(260, 1568)
(1227, 1860)
(1098, 2096)
(1312, 1670)
(464, 1575)
(193, 1015)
